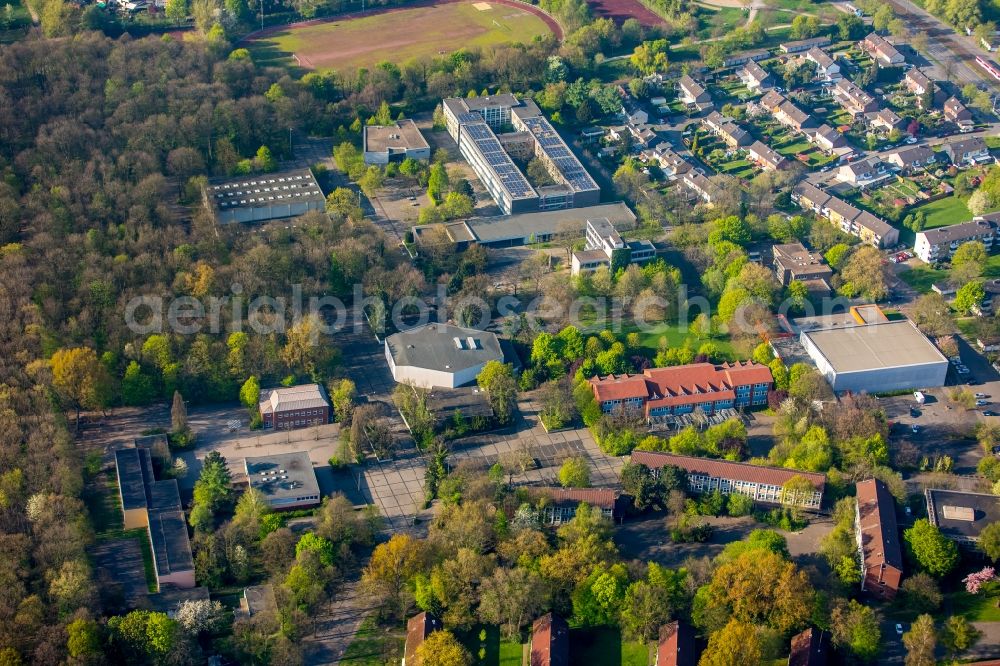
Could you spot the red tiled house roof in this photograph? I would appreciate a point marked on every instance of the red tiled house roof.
(883, 559)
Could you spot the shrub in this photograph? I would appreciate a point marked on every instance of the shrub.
(739, 505)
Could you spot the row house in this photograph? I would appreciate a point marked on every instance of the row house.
(968, 152)
(854, 100)
(792, 116)
(934, 245)
(755, 77)
(827, 68)
(745, 57)
(682, 389)
(765, 157)
(877, 536)
(912, 158)
(728, 130)
(844, 216)
(771, 100)
(693, 93)
(884, 53)
(762, 484)
(800, 45)
(700, 185)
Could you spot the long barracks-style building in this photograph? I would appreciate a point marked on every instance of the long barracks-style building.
(681, 389)
(761, 484)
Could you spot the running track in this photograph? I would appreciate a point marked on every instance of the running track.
(547, 18)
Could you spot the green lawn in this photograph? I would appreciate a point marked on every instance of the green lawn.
(980, 607)
(922, 277)
(345, 45)
(941, 213)
(603, 646)
(992, 268)
(17, 21)
(675, 335)
(375, 646)
(487, 649)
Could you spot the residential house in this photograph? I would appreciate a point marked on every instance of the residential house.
(827, 68)
(592, 135)
(700, 185)
(765, 157)
(792, 116)
(294, 407)
(760, 483)
(917, 82)
(728, 130)
(853, 99)
(864, 173)
(874, 231)
(885, 119)
(967, 152)
(418, 628)
(693, 94)
(884, 53)
(934, 245)
(792, 261)
(744, 57)
(830, 141)
(912, 158)
(682, 389)
(755, 77)
(644, 135)
(801, 45)
(771, 100)
(878, 539)
(958, 113)
(549, 641)
(810, 648)
(559, 505)
(670, 163)
(632, 113)
(676, 645)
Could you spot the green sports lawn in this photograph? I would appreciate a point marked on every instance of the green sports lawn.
(346, 45)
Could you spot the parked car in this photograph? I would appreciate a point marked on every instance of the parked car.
(919, 397)
(962, 370)
(914, 428)
(914, 412)
(981, 403)
(990, 413)
(981, 395)
(899, 629)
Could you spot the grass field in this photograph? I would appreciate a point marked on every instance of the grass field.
(604, 646)
(347, 44)
(941, 213)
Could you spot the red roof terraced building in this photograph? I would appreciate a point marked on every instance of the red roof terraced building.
(418, 628)
(549, 641)
(680, 389)
(762, 484)
(878, 540)
(676, 646)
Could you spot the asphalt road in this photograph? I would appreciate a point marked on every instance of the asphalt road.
(951, 52)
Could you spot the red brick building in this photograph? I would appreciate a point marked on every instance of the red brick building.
(549, 641)
(294, 407)
(681, 389)
(878, 540)
(677, 646)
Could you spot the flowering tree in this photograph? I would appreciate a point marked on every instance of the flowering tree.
(975, 581)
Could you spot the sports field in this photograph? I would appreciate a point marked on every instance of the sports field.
(349, 42)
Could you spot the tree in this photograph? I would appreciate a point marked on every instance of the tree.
(83, 641)
(735, 644)
(200, 616)
(441, 648)
(177, 10)
(511, 597)
(80, 379)
(921, 592)
(864, 274)
(932, 551)
(575, 473)
(212, 491)
(305, 350)
(856, 628)
(250, 393)
(497, 379)
(342, 397)
(968, 261)
(836, 255)
(969, 296)
(989, 541)
(931, 314)
(645, 609)
(178, 415)
(958, 635)
(920, 641)
(390, 568)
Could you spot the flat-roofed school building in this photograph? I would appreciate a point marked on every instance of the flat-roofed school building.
(961, 516)
(265, 197)
(286, 480)
(395, 143)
